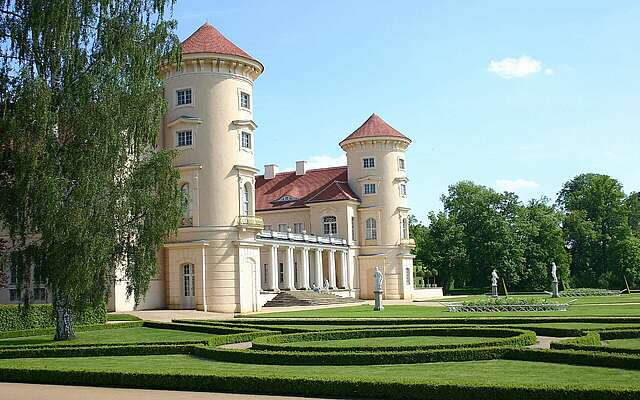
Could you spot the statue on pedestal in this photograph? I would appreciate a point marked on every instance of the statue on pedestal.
(554, 280)
(377, 291)
(494, 283)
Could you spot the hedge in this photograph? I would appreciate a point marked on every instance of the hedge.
(573, 357)
(15, 317)
(81, 328)
(610, 334)
(342, 388)
(103, 350)
(506, 337)
(283, 329)
(216, 330)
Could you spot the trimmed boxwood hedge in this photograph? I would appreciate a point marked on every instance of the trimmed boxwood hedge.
(342, 388)
(15, 317)
(81, 328)
(493, 337)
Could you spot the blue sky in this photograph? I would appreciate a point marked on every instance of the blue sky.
(512, 96)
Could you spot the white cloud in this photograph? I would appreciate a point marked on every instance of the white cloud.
(510, 67)
(321, 161)
(507, 185)
(324, 161)
(549, 71)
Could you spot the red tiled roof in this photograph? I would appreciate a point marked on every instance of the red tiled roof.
(208, 39)
(375, 126)
(316, 185)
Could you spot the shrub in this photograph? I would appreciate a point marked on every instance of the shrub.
(81, 328)
(501, 301)
(15, 317)
(215, 330)
(580, 292)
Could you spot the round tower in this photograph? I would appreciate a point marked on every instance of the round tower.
(377, 173)
(209, 122)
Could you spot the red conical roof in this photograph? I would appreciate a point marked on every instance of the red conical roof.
(375, 127)
(208, 39)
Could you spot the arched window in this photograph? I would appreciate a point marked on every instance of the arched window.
(371, 229)
(330, 225)
(405, 228)
(187, 216)
(245, 199)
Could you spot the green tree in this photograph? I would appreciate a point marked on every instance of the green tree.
(539, 228)
(83, 189)
(444, 250)
(633, 208)
(487, 219)
(596, 224)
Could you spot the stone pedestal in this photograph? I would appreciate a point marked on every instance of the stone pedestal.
(494, 291)
(554, 289)
(378, 302)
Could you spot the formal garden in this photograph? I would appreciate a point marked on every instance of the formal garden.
(418, 350)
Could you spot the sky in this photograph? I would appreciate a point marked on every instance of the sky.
(517, 97)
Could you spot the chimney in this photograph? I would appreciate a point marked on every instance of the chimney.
(301, 167)
(270, 171)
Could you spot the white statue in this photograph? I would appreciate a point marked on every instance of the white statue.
(554, 270)
(494, 278)
(379, 279)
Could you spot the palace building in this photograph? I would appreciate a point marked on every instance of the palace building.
(247, 236)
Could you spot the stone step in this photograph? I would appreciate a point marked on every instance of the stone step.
(307, 298)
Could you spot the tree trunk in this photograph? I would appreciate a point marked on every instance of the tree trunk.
(64, 320)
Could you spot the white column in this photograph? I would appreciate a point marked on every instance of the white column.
(204, 281)
(319, 280)
(332, 269)
(273, 282)
(344, 268)
(304, 272)
(289, 264)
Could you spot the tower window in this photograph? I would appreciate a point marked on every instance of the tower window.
(353, 229)
(184, 138)
(330, 225)
(370, 188)
(369, 162)
(183, 97)
(401, 164)
(403, 189)
(246, 140)
(371, 229)
(404, 228)
(245, 100)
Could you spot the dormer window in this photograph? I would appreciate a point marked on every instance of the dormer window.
(286, 198)
(183, 97)
(368, 162)
(245, 100)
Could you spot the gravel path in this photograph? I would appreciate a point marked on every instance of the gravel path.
(237, 346)
(544, 342)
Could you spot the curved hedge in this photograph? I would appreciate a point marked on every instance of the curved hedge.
(15, 317)
(495, 337)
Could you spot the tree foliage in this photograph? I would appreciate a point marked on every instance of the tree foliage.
(86, 196)
(599, 226)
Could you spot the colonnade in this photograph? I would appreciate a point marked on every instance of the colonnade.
(291, 267)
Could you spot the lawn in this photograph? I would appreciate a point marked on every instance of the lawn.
(479, 372)
(627, 298)
(414, 311)
(623, 343)
(390, 341)
(121, 335)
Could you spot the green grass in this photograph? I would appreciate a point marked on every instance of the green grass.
(122, 317)
(623, 343)
(123, 335)
(389, 341)
(412, 311)
(494, 371)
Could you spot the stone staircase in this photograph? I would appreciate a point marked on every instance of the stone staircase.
(307, 298)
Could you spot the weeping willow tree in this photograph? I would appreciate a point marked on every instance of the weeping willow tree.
(85, 195)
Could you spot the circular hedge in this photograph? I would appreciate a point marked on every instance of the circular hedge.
(487, 337)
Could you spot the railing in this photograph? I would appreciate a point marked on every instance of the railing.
(246, 221)
(407, 242)
(302, 237)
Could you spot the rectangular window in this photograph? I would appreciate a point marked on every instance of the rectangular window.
(40, 294)
(298, 227)
(13, 295)
(368, 162)
(184, 139)
(353, 229)
(408, 279)
(246, 140)
(281, 272)
(183, 97)
(403, 189)
(14, 276)
(264, 273)
(369, 188)
(401, 164)
(283, 227)
(245, 100)
(268, 228)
